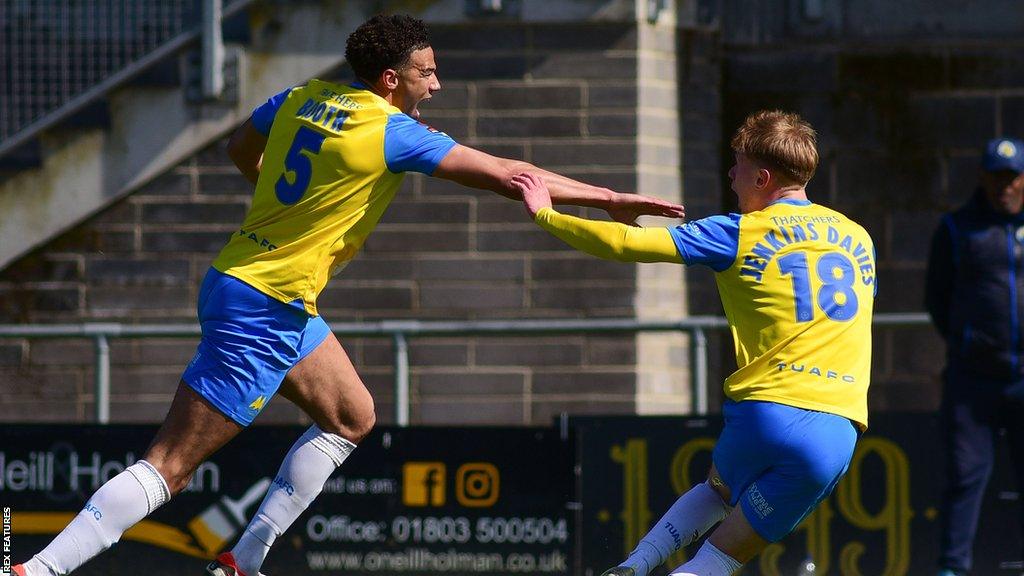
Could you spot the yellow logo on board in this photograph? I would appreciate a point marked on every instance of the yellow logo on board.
(423, 484)
(477, 484)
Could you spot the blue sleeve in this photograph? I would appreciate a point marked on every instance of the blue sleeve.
(263, 115)
(410, 146)
(713, 241)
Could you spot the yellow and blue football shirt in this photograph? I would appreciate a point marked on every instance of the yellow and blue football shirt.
(335, 157)
(797, 281)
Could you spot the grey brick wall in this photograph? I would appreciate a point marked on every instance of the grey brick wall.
(563, 96)
(662, 362)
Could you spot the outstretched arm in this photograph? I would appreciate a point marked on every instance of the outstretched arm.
(477, 169)
(608, 240)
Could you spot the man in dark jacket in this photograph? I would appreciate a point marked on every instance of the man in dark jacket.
(975, 296)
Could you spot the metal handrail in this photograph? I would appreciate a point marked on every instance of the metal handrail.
(401, 330)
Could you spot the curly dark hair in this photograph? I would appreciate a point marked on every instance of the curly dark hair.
(382, 42)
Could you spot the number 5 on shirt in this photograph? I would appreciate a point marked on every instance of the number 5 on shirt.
(298, 164)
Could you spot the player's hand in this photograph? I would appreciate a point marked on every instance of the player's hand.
(625, 208)
(535, 192)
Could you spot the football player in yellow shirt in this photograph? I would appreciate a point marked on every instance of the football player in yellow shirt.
(797, 281)
(326, 159)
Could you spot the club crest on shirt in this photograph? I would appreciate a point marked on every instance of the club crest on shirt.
(1006, 149)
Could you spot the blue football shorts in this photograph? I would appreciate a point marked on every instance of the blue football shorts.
(250, 341)
(779, 461)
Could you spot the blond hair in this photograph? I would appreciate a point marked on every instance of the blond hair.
(779, 140)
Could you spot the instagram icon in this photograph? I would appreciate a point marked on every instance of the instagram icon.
(477, 484)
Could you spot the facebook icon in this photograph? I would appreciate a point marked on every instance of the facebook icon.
(423, 484)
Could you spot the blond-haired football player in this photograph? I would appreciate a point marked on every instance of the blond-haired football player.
(797, 281)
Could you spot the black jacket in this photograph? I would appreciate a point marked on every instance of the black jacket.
(975, 289)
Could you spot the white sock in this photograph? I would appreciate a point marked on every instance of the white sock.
(305, 470)
(117, 506)
(709, 561)
(693, 514)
